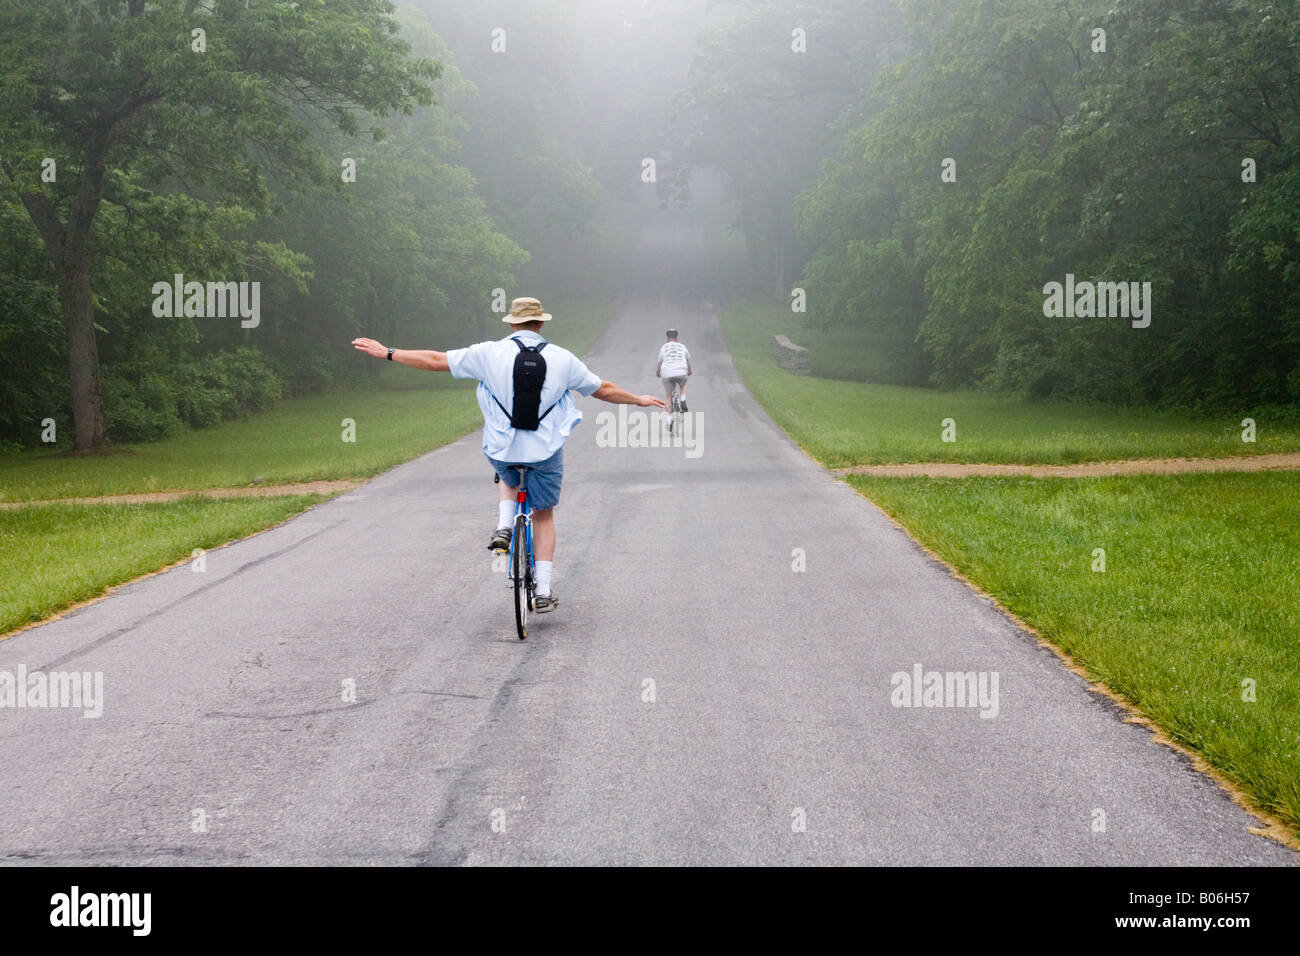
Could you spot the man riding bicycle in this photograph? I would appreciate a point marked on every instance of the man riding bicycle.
(544, 410)
(673, 367)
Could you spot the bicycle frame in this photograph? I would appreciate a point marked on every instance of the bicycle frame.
(520, 567)
(521, 508)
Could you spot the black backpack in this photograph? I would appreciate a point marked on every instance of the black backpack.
(529, 376)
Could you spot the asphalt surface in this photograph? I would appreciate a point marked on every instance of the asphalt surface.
(767, 735)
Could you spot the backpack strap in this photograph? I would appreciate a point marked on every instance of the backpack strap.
(541, 345)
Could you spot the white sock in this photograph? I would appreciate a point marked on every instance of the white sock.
(544, 578)
(505, 514)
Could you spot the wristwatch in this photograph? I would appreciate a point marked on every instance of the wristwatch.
(390, 354)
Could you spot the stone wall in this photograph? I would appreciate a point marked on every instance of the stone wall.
(791, 357)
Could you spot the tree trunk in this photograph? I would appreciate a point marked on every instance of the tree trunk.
(70, 256)
(69, 250)
(83, 353)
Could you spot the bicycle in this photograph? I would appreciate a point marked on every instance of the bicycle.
(520, 567)
(675, 416)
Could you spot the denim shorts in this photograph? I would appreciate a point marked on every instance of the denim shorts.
(542, 481)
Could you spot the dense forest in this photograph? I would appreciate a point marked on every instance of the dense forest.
(918, 169)
(1153, 141)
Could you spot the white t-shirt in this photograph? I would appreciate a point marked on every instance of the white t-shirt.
(493, 364)
(672, 360)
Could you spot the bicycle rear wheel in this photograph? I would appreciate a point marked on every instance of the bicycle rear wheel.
(523, 573)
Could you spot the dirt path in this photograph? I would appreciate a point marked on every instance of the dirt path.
(1149, 466)
(253, 491)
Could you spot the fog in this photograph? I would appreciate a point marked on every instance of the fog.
(608, 86)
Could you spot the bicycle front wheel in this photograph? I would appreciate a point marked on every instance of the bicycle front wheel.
(521, 571)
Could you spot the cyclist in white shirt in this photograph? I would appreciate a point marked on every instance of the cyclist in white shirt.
(554, 415)
(674, 366)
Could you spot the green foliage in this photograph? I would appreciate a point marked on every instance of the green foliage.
(226, 385)
(229, 169)
(176, 117)
(140, 403)
(1122, 165)
(143, 404)
(33, 383)
(104, 86)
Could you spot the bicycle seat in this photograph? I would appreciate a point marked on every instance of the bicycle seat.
(496, 478)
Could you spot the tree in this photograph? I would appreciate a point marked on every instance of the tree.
(213, 94)
(1115, 162)
(766, 82)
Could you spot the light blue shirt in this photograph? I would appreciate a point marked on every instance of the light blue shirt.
(493, 364)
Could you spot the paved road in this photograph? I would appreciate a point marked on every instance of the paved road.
(771, 687)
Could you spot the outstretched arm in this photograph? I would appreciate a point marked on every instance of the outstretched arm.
(609, 392)
(426, 359)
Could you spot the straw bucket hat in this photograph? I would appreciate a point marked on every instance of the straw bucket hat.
(525, 310)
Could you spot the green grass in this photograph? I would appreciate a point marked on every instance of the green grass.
(52, 556)
(298, 440)
(1201, 591)
(845, 423)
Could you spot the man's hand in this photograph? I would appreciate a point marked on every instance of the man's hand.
(609, 392)
(370, 347)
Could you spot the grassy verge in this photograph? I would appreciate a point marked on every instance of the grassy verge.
(53, 556)
(844, 423)
(1200, 593)
(298, 440)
